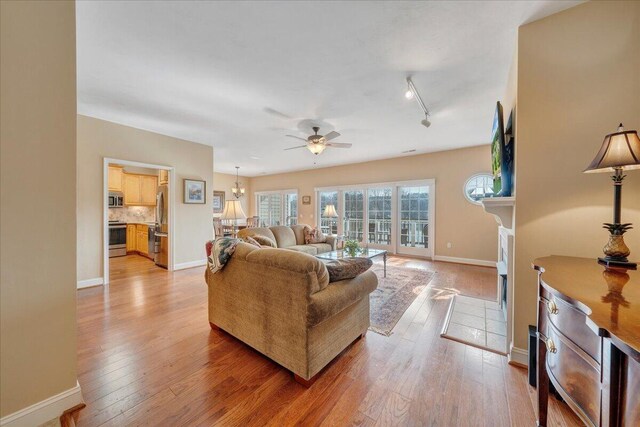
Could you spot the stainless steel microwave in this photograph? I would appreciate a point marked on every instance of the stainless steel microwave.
(116, 200)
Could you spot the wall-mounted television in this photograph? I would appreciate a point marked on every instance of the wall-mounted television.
(497, 148)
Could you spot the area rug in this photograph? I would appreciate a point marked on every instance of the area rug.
(394, 295)
(476, 322)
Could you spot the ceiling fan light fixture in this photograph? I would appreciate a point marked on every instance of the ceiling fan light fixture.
(316, 148)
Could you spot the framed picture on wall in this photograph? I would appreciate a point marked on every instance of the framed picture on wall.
(218, 202)
(195, 191)
(306, 200)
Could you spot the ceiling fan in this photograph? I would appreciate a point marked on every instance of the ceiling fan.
(317, 143)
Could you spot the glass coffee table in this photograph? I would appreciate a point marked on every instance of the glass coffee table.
(362, 253)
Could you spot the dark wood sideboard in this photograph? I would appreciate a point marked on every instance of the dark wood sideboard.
(589, 340)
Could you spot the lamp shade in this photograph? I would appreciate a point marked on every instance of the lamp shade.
(619, 150)
(233, 210)
(330, 212)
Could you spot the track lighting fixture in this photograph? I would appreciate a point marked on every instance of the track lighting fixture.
(413, 92)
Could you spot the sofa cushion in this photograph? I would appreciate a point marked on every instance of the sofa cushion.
(340, 295)
(264, 241)
(284, 236)
(298, 230)
(286, 260)
(307, 249)
(322, 247)
(348, 268)
(256, 231)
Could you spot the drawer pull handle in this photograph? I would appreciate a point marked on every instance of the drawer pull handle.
(551, 346)
(552, 307)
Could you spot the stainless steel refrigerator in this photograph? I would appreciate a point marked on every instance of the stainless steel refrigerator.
(162, 227)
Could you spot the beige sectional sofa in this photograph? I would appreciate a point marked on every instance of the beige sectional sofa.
(281, 303)
(291, 238)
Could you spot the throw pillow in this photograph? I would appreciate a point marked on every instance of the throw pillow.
(342, 269)
(251, 241)
(314, 235)
(219, 252)
(264, 241)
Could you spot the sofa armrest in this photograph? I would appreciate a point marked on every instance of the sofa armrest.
(340, 295)
(332, 240)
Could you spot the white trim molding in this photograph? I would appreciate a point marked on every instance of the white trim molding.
(469, 261)
(190, 264)
(88, 283)
(46, 410)
(518, 356)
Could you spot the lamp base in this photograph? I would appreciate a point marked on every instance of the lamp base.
(617, 263)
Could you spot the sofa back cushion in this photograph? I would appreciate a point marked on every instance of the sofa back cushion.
(284, 235)
(298, 230)
(259, 231)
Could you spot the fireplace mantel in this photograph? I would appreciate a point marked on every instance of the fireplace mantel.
(501, 208)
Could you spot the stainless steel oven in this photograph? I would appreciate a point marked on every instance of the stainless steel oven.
(117, 239)
(116, 200)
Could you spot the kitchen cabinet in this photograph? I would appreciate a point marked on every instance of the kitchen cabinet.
(163, 177)
(140, 190)
(132, 236)
(115, 178)
(142, 235)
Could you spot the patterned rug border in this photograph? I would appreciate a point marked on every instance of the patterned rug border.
(378, 268)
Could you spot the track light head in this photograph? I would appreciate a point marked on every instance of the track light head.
(426, 123)
(408, 94)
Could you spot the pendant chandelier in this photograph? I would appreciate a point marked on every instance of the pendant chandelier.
(237, 190)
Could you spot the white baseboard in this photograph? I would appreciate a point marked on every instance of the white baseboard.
(190, 264)
(469, 261)
(518, 356)
(46, 410)
(90, 282)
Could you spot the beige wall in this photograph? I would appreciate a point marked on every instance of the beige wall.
(38, 202)
(98, 139)
(224, 182)
(472, 232)
(578, 77)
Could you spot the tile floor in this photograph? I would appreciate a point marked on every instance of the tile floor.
(477, 322)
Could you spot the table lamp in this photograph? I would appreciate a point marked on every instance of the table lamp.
(233, 211)
(330, 212)
(620, 151)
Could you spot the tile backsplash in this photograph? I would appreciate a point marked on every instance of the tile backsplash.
(133, 214)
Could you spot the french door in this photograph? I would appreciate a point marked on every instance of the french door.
(413, 220)
(397, 217)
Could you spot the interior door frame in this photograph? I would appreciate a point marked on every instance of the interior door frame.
(394, 185)
(105, 209)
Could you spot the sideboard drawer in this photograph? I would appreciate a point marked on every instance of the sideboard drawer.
(573, 323)
(578, 378)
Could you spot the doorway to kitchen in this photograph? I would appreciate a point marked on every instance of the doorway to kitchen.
(138, 218)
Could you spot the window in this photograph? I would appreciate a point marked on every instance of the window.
(291, 208)
(328, 224)
(379, 222)
(277, 208)
(477, 187)
(396, 216)
(353, 216)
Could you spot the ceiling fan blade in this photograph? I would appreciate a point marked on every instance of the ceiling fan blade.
(296, 137)
(293, 148)
(331, 135)
(338, 144)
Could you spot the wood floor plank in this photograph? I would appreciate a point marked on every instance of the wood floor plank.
(146, 356)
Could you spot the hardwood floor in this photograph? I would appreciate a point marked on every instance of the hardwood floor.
(147, 356)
